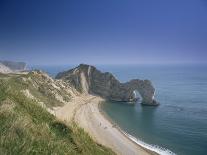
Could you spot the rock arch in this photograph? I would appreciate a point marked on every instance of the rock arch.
(145, 89)
(107, 86)
(137, 96)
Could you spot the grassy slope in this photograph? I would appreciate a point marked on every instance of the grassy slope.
(27, 128)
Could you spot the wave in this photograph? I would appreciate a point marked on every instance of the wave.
(154, 148)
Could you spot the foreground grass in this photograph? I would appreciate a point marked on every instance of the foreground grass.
(27, 128)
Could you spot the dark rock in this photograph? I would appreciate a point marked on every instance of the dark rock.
(87, 79)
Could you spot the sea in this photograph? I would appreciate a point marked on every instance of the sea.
(179, 124)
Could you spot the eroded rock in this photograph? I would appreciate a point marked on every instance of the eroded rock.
(87, 79)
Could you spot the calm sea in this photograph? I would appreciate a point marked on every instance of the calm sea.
(179, 123)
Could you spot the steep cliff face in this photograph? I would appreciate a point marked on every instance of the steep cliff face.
(14, 66)
(87, 79)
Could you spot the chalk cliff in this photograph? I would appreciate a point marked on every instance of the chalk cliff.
(87, 79)
(14, 66)
(4, 69)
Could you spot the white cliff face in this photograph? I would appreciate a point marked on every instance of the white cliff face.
(4, 69)
(14, 66)
(87, 79)
(84, 83)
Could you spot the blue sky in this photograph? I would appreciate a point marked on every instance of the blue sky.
(54, 32)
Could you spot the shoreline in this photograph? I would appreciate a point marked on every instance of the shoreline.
(103, 131)
(121, 130)
(85, 110)
(152, 149)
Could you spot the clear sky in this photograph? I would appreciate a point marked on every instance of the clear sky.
(54, 32)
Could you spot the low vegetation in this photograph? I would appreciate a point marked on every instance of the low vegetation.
(27, 128)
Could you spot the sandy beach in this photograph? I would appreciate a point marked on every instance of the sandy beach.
(84, 110)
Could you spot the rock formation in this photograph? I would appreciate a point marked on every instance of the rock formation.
(87, 79)
(14, 66)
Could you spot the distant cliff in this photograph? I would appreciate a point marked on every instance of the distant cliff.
(11, 66)
(87, 79)
(4, 69)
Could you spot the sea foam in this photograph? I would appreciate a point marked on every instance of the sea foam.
(154, 148)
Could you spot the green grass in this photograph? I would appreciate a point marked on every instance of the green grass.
(27, 128)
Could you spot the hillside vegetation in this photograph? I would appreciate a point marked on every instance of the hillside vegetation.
(26, 127)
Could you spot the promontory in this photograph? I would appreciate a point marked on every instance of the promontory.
(88, 79)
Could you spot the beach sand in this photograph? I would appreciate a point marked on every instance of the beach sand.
(84, 110)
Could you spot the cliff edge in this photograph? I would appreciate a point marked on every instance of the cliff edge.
(88, 79)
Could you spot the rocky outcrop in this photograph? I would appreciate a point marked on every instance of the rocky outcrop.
(87, 79)
(14, 66)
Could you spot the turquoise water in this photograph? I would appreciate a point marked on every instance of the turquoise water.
(180, 122)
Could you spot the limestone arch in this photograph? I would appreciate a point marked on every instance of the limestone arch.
(137, 96)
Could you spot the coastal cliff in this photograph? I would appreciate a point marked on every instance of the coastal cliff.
(28, 123)
(34, 104)
(4, 69)
(11, 66)
(87, 79)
